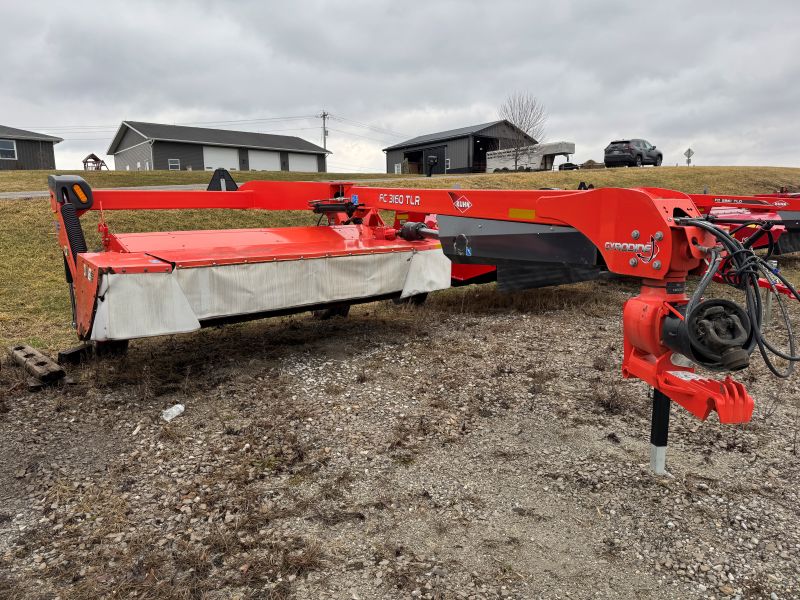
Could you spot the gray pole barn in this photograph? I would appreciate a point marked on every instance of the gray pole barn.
(141, 146)
(26, 150)
(458, 150)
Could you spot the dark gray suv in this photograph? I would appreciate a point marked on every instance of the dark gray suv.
(632, 153)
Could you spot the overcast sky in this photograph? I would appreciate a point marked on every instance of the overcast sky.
(721, 77)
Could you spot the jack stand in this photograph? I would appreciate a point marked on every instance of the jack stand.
(659, 431)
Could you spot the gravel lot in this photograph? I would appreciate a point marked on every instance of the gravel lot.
(480, 446)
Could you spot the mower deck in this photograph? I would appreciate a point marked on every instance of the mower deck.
(186, 249)
(151, 284)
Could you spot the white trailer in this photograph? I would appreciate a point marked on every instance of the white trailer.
(539, 157)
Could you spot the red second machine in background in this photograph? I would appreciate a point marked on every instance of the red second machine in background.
(147, 284)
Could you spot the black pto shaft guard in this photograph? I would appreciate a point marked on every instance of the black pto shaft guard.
(715, 334)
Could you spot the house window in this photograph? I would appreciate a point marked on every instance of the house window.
(446, 164)
(174, 164)
(8, 150)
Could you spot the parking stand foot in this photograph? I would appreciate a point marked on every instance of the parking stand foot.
(659, 432)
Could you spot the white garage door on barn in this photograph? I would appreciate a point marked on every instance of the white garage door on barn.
(264, 160)
(215, 157)
(303, 162)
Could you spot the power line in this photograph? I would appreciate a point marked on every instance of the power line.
(342, 131)
(384, 132)
(70, 126)
(69, 139)
(358, 135)
(368, 126)
(286, 129)
(266, 119)
(75, 128)
(113, 128)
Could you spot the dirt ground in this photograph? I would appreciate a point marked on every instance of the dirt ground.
(480, 446)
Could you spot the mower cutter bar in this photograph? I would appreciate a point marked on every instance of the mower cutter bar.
(159, 283)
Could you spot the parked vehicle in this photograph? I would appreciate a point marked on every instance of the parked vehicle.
(632, 153)
(568, 166)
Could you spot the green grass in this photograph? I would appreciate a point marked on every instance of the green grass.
(726, 180)
(34, 303)
(27, 181)
(718, 180)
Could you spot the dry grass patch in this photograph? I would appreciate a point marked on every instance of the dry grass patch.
(614, 397)
(718, 180)
(26, 181)
(592, 298)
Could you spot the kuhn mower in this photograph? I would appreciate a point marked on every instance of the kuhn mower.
(149, 284)
(746, 212)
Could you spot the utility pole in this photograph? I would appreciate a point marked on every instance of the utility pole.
(324, 116)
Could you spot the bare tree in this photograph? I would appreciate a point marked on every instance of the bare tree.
(523, 110)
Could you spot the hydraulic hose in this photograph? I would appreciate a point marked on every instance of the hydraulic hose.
(741, 268)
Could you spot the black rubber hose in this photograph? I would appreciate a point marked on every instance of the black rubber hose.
(741, 268)
(72, 225)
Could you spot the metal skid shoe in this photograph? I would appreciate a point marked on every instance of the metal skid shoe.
(87, 350)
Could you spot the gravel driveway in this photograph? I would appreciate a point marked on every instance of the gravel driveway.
(481, 446)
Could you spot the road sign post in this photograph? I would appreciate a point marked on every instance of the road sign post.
(689, 154)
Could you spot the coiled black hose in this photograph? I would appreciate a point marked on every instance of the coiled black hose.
(742, 268)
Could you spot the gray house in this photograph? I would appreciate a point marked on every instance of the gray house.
(458, 150)
(20, 149)
(141, 146)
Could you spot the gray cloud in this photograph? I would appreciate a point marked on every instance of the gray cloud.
(722, 77)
